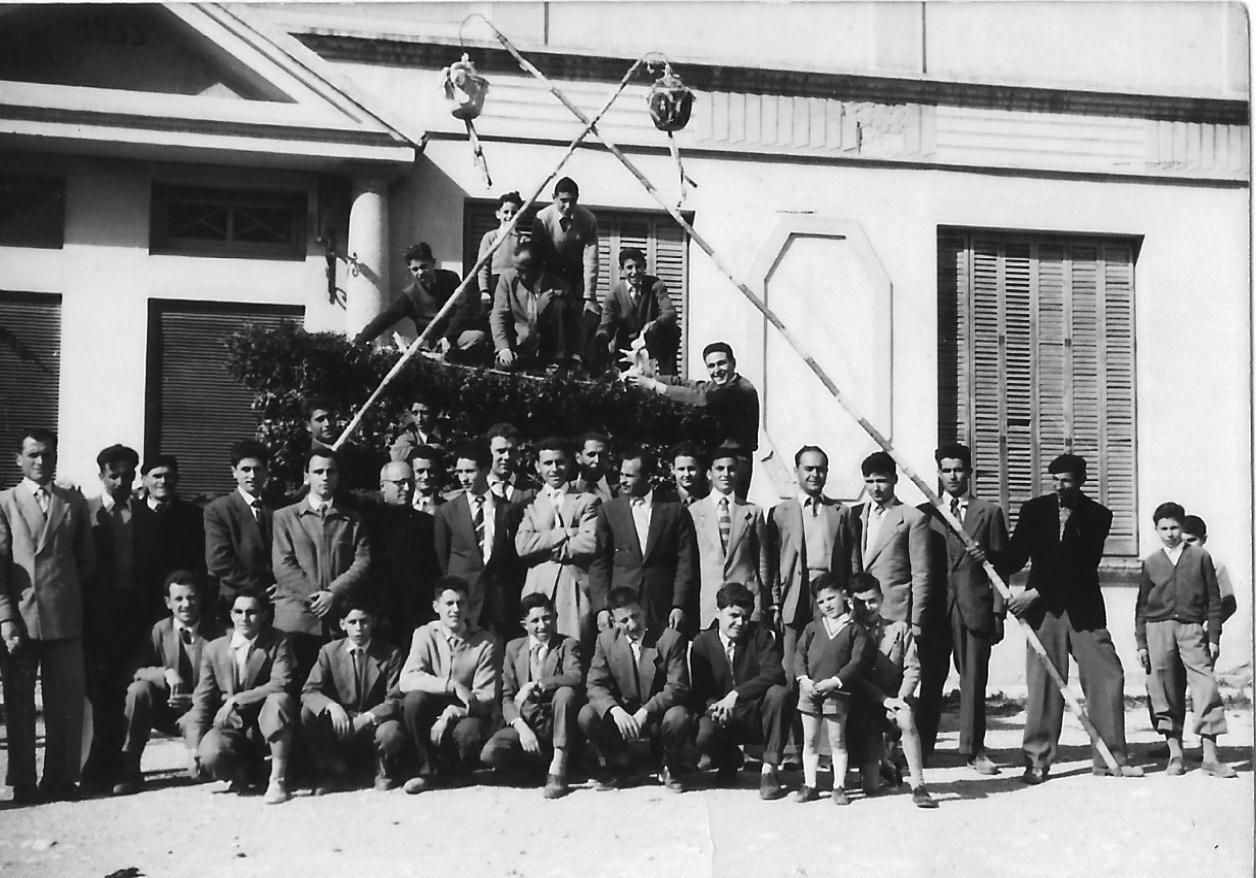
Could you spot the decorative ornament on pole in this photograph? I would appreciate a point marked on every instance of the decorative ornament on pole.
(465, 90)
(670, 102)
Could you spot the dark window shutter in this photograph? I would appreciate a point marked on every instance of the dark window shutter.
(195, 409)
(30, 371)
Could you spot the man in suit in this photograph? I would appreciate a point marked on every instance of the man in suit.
(593, 460)
(556, 540)
(645, 544)
(542, 686)
(474, 536)
(456, 335)
(968, 621)
(176, 528)
(689, 479)
(506, 480)
(639, 307)
(423, 429)
(739, 684)
(891, 541)
(637, 688)
(730, 536)
(165, 672)
(403, 559)
(565, 235)
(1062, 534)
(349, 718)
(426, 463)
(239, 531)
(321, 557)
(534, 321)
(244, 704)
(46, 554)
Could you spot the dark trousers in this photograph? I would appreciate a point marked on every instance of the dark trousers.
(147, 709)
(227, 753)
(667, 735)
(1103, 682)
(305, 649)
(554, 723)
(110, 638)
(379, 748)
(63, 688)
(763, 720)
(971, 651)
(461, 742)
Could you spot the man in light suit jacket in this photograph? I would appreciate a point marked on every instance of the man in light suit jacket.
(731, 537)
(556, 540)
(639, 306)
(46, 555)
(475, 541)
(891, 541)
(321, 557)
(648, 545)
(967, 620)
(239, 530)
(535, 321)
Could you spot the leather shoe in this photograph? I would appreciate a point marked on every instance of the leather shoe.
(1218, 769)
(770, 787)
(1123, 770)
(727, 776)
(384, 783)
(1175, 767)
(1034, 776)
(671, 782)
(806, 794)
(921, 799)
(983, 764)
(416, 785)
(129, 785)
(60, 792)
(25, 794)
(555, 786)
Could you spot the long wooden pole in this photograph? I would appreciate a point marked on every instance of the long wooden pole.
(1030, 636)
(417, 344)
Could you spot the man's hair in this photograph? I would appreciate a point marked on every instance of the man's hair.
(531, 601)
(827, 580)
(1195, 526)
(649, 463)
(476, 451)
(117, 455)
(37, 434)
(622, 597)
(513, 197)
(809, 448)
(424, 452)
(734, 594)
(878, 463)
(316, 402)
(257, 594)
(420, 252)
(1168, 510)
(718, 347)
(160, 460)
(529, 248)
(181, 577)
(328, 453)
(554, 443)
(451, 583)
(631, 253)
(954, 451)
(360, 602)
(502, 429)
(1068, 463)
(568, 185)
(860, 582)
(248, 448)
(687, 449)
(725, 449)
(593, 436)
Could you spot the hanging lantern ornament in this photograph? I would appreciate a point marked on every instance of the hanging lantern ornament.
(671, 102)
(465, 90)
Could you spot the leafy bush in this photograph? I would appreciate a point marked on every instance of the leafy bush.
(284, 365)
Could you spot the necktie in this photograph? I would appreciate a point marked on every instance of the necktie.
(186, 636)
(359, 676)
(499, 490)
(41, 498)
(534, 662)
(259, 516)
(1066, 512)
(477, 520)
(726, 523)
(556, 498)
(955, 507)
(185, 656)
(731, 651)
(635, 649)
(815, 506)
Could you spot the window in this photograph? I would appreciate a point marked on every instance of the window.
(208, 222)
(194, 409)
(32, 212)
(1036, 357)
(30, 370)
(664, 243)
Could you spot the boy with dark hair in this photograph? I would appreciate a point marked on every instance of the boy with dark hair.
(239, 531)
(689, 470)
(1195, 533)
(542, 685)
(593, 459)
(1177, 624)
(565, 234)
(508, 204)
(638, 307)
(535, 323)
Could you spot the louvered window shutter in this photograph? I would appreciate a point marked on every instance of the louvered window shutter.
(30, 371)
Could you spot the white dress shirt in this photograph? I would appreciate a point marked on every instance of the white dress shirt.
(241, 646)
(1175, 553)
(642, 508)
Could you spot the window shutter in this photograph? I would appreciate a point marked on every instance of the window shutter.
(1117, 474)
(195, 409)
(30, 371)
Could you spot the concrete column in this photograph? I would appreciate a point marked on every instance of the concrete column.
(366, 276)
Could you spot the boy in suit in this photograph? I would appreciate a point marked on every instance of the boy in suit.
(321, 557)
(535, 321)
(348, 716)
(244, 703)
(505, 478)
(645, 544)
(166, 672)
(238, 532)
(474, 536)
(739, 684)
(968, 620)
(1177, 624)
(450, 682)
(542, 685)
(637, 686)
(46, 555)
(688, 473)
(176, 528)
(1062, 534)
(638, 307)
(427, 464)
(556, 541)
(730, 535)
(891, 541)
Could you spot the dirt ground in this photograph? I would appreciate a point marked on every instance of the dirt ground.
(1074, 825)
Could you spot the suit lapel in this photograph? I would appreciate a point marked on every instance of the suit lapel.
(648, 666)
(257, 658)
(624, 511)
(739, 515)
(523, 662)
(342, 674)
(889, 524)
(170, 645)
(656, 527)
(621, 660)
(35, 520)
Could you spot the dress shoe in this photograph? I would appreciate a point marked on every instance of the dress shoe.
(416, 785)
(1034, 776)
(921, 799)
(25, 794)
(276, 792)
(770, 787)
(129, 785)
(1123, 770)
(384, 783)
(62, 791)
(726, 776)
(1218, 769)
(806, 794)
(1176, 767)
(840, 797)
(671, 782)
(983, 764)
(555, 786)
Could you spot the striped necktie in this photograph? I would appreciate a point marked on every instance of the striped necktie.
(726, 523)
(477, 520)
